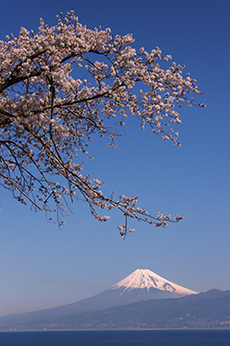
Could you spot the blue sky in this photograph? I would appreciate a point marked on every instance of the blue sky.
(42, 266)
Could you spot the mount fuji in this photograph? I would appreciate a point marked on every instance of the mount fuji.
(141, 300)
(140, 286)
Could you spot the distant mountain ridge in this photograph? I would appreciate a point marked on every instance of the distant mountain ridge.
(203, 310)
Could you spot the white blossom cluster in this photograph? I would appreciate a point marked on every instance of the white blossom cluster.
(63, 85)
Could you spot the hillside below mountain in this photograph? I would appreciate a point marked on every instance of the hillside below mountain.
(204, 310)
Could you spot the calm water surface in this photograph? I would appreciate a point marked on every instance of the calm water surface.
(129, 338)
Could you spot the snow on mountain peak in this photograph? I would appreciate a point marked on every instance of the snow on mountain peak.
(145, 278)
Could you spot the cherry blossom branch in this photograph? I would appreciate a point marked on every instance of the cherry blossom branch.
(48, 116)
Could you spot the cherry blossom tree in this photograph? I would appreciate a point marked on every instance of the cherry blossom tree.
(63, 86)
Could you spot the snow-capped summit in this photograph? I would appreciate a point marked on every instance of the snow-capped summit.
(148, 280)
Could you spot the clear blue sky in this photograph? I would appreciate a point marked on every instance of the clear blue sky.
(42, 266)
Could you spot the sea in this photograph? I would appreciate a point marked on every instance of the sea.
(118, 337)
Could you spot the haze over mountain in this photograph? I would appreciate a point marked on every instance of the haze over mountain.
(203, 310)
(141, 285)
